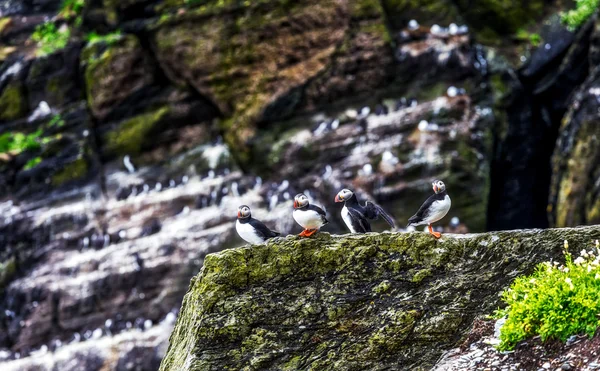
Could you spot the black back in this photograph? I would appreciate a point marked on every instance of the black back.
(423, 211)
(360, 214)
(261, 229)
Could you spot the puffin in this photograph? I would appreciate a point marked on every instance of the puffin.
(433, 209)
(310, 217)
(356, 216)
(250, 229)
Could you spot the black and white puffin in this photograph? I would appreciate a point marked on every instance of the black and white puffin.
(310, 217)
(250, 229)
(356, 216)
(433, 209)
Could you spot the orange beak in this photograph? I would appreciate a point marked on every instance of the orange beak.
(435, 188)
(295, 204)
(338, 199)
(239, 214)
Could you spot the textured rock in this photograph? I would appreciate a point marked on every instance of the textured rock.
(529, 120)
(373, 302)
(249, 71)
(114, 74)
(575, 198)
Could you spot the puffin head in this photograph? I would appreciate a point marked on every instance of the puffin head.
(438, 186)
(300, 201)
(243, 212)
(344, 195)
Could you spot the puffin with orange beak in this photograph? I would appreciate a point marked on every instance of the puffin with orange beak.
(251, 230)
(433, 209)
(356, 216)
(310, 217)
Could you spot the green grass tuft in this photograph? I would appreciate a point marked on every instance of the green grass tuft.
(32, 163)
(583, 10)
(19, 142)
(555, 302)
(50, 38)
(110, 38)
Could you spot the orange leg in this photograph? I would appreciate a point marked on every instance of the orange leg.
(303, 233)
(311, 232)
(434, 234)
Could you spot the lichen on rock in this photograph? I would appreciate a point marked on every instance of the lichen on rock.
(370, 301)
(13, 103)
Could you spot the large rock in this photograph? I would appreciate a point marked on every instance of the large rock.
(529, 122)
(574, 198)
(234, 57)
(116, 76)
(370, 302)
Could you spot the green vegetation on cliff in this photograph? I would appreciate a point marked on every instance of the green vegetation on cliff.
(50, 38)
(16, 142)
(374, 301)
(12, 102)
(555, 302)
(583, 10)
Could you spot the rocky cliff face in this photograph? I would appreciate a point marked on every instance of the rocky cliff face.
(369, 302)
(132, 131)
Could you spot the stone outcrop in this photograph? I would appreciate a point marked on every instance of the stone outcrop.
(124, 155)
(377, 301)
(575, 196)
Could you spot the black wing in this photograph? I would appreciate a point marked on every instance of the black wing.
(319, 211)
(361, 224)
(373, 211)
(262, 229)
(423, 210)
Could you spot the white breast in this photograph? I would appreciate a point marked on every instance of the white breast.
(247, 232)
(347, 219)
(308, 219)
(438, 210)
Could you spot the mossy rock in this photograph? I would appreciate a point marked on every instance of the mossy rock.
(252, 74)
(114, 72)
(132, 135)
(75, 170)
(574, 199)
(352, 302)
(13, 104)
(8, 269)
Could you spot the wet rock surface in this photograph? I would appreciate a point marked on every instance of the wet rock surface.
(378, 301)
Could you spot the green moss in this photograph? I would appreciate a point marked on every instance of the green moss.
(12, 102)
(322, 303)
(108, 39)
(73, 171)
(129, 137)
(100, 59)
(582, 12)
(4, 23)
(50, 38)
(397, 325)
(7, 271)
(240, 71)
(32, 163)
(421, 275)
(17, 142)
(382, 287)
(575, 181)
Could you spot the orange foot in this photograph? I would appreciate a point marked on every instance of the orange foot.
(303, 233)
(311, 232)
(434, 234)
